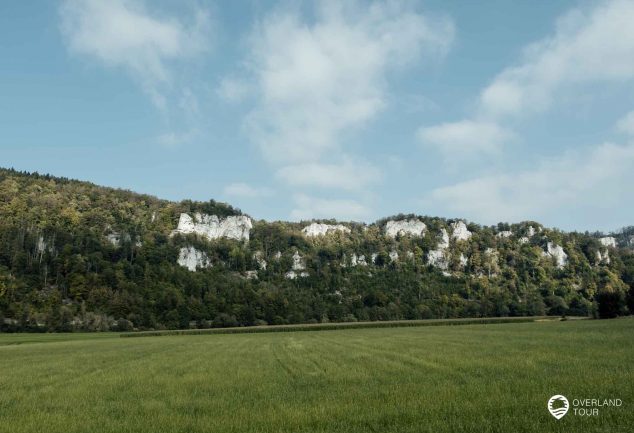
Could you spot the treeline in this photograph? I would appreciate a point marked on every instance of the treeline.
(78, 257)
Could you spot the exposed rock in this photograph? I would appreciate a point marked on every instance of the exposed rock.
(523, 240)
(251, 275)
(373, 257)
(358, 260)
(210, 226)
(298, 262)
(505, 234)
(410, 255)
(603, 257)
(531, 231)
(291, 275)
(437, 259)
(153, 218)
(317, 229)
(114, 239)
(463, 260)
(556, 252)
(41, 245)
(608, 241)
(460, 231)
(277, 255)
(412, 227)
(192, 259)
(443, 244)
(258, 256)
(393, 256)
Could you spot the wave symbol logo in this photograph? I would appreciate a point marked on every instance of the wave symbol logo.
(558, 406)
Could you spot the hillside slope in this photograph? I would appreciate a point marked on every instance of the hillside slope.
(76, 256)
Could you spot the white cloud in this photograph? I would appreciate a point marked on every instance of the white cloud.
(124, 34)
(594, 45)
(348, 175)
(459, 139)
(626, 124)
(599, 176)
(233, 90)
(318, 80)
(241, 189)
(307, 207)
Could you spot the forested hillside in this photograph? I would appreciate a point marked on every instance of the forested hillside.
(76, 256)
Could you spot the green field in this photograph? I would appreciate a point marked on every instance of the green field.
(470, 378)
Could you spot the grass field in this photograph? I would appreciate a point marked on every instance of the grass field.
(470, 378)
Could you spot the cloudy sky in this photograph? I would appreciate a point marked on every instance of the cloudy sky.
(490, 111)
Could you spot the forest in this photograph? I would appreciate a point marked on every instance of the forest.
(75, 256)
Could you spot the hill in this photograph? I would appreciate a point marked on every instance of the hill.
(77, 256)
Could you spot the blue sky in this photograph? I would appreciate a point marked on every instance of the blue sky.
(490, 111)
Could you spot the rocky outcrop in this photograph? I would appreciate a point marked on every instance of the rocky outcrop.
(603, 257)
(393, 256)
(251, 275)
(608, 241)
(505, 234)
(413, 227)
(318, 229)
(523, 240)
(556, 252)
(212, 227)
(298, 262)
(192, 259)
(531, 231)
(460, 231)
(258, 256)
(438, 257)
(358, 260)
(292, 275)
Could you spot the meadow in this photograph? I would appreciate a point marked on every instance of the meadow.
(469, 378)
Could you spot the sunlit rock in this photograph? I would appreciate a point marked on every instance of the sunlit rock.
(556, 252)
(608, 241)
(413, 227)
(318, 229)
(210, 226)
(460, 231)
(191, 258)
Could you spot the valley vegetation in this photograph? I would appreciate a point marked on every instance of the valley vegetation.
(79, 257)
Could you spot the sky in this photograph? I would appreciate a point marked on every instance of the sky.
(494, 111)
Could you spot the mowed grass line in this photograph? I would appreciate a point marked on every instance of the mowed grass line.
(471, 378)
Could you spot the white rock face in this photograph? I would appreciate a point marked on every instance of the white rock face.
(443, 244)
(603, 257)
(463, 260)
(531, 231)
(412, 227)
(210, 226)
(608, 241)
(317, 229)
(437, 259)
(523, 240)
(291, 275)
(114, 239)
(251, 275)
(505, 234)
(373, 257)
(358, 260)
(460, 231)
(41, 245)
(277, 255)
(393, 256)
(258, 256)
(557, 252)
(298, 262)
(192, 259)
